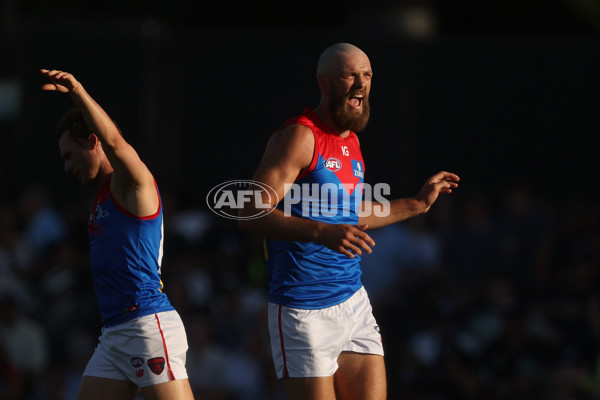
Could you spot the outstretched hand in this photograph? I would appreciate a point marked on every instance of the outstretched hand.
(63, 82)
(442, 182)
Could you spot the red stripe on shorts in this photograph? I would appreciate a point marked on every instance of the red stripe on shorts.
(162, 335)
(285, 370)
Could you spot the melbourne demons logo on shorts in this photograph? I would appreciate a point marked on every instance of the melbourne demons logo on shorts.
(156, 365)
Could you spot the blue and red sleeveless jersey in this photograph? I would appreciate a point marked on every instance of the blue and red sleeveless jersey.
(308, 275)
(125, 257)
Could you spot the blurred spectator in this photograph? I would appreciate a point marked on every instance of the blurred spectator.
(471, 245)
(498, 302)
(44, 226)
(13, 253)
(24, 342)
(12, 380)
(409, 247)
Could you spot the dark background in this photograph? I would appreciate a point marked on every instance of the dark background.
(505, 94)
(497, 94)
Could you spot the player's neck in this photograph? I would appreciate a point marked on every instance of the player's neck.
(104, 174)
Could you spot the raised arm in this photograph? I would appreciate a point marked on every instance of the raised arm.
(289, 152)
(132, 183)
(401, 209)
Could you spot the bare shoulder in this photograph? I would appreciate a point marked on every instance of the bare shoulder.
(136, 192)
(293, 136)
(292, 144)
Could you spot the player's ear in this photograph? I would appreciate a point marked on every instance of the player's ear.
(92, 142)
(323, 83)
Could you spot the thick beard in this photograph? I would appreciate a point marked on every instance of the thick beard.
(349, 119)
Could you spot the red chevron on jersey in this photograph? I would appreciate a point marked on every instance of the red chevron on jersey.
(342, 156)
(330, 191)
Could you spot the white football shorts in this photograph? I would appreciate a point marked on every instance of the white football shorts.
(307, 343)
(146, 351)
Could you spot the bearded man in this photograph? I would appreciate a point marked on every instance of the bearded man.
(325, 340)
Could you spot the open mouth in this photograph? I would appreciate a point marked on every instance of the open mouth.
(356, 101)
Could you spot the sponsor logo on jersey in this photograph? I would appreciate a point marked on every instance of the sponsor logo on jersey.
(156, 365)
(358, 171)
(333, 164)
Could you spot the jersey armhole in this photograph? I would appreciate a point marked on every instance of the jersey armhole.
(315, 157)
(132, 215)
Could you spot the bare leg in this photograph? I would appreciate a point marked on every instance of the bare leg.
(309, 388)
(178, 389)
(94, 388)
(360, 377)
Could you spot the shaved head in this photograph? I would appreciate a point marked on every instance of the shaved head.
(333, 57)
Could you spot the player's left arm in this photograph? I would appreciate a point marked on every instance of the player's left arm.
(132, 182)
(376, 214)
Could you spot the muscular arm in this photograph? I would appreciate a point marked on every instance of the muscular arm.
(132, 183)
(289, 152)
(377, 215)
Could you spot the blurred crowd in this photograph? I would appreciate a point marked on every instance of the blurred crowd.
(485, 297)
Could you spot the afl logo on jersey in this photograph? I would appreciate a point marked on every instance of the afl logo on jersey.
(333, 164)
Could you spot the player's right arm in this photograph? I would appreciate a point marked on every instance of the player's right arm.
(288, 153)
(132, 182)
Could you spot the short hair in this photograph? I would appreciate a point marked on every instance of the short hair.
(74, 123)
